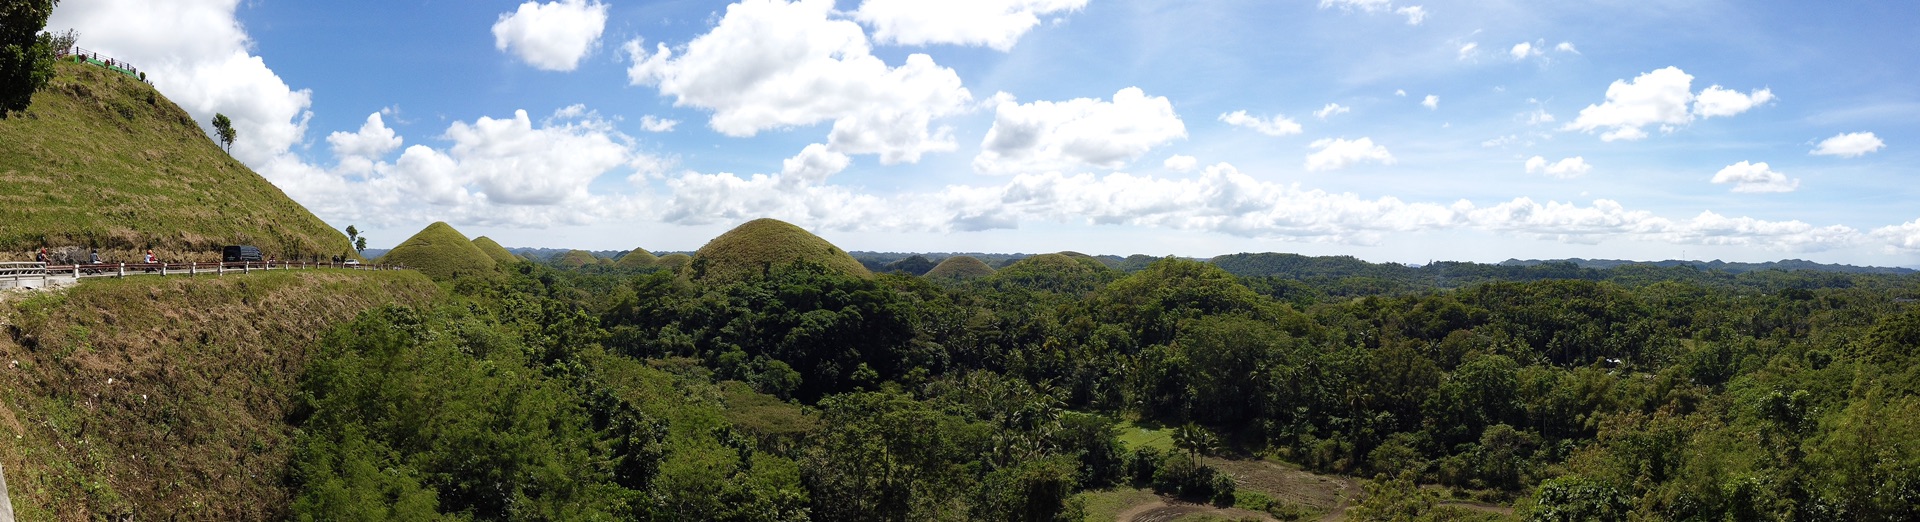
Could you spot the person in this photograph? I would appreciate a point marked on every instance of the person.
(40, 257)
(151, 259)
(93, 257)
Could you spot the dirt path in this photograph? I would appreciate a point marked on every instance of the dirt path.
(1164, 510)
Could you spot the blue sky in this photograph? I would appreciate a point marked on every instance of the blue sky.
(1388, 130)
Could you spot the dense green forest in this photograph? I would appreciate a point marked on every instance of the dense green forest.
(610, 393)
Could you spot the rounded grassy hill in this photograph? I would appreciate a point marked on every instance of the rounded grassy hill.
(960, 267)
(675, 261)
(103, 161)
(440, 252)
(493, 249)
(576, 259)
(754, 247)
(1063, 272)
(638, 258)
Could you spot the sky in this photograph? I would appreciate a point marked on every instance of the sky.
(1389, 130)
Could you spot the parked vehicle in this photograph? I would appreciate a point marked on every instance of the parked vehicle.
(240, 253)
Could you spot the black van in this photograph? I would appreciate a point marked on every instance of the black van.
(240, 253)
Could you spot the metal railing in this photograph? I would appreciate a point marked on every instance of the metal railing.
(16, 274)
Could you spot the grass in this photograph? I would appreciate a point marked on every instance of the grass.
(1106, 505)
(130, 397)
(1136, 436)
(960, 267)
(750, 249)
(103, 161)
(493, 249)
(440, 252)
(638, 258)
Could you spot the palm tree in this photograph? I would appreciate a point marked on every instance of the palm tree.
(1194, 440)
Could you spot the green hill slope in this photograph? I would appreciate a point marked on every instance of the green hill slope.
(103, 161)
(440, 252)
(576, 259)
(749, 249)
(493, 249)
(638, 258)
(960, 267)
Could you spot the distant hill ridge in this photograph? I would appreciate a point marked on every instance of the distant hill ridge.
(100, 160)
(1732, 268)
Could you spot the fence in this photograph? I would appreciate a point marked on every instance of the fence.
(16, 274)
(85, 56)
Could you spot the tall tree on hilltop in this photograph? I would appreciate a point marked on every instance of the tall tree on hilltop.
(26, 53)
(224, 127)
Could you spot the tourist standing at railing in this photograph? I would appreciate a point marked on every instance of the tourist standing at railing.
(151, 259)
(93, 257)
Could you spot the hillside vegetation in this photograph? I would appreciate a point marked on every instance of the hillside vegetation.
(755, 247)
(638, 258)
(158, 397)
(440, 252)
(493, 249)
(960, 267)
(101, 160)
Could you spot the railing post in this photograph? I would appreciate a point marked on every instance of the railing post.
(123, 269)
(193, 269)
(163, 269)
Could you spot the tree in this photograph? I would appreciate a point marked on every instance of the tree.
(353, 235)
(26, 53)
(224, 127)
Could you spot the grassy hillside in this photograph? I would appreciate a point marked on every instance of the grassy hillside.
(493, 249)
(576, 259)
(103, 161)
(638, 258)
(147, 396)
(675, 261)
(960, 267)
(749, 249)
(440, 252)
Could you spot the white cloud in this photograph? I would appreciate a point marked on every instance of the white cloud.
(357, 151)
(1415, 14)
(1331, 109)
(1539, 116)
(1180, 163)
(1335, 154)
(553, 36)
(1755, 177)
(653, 123)
(1849, 145)
(769, 64)
(1901, 237)
(1566, 47)
(1564, 169)
(1662, 97)
(1278, 125)
(1717, 101)
(1523, 50)
(1400, 92)
(514, 163)
(1046, 135)
(1658, 97)
(1467, 50)
(992, 23)
(814, 164)
(1431, 102)
(1362, 5)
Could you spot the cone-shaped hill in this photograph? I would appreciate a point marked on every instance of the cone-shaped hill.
(675, 261)
(1063, 272)
(638, 258)
(440, 252)
(493, 249)
(101, 160)
(576, 259)
(750, 249)
(960, 267)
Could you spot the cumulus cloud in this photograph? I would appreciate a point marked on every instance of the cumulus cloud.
(357, 151)
(992, 23)
(770, 64)
(1046, 135)
(1849, 145)
(1415, 14)
(1278, 125)
(1902, 237)
(1340, 153)
(1564, 169)
(1718, 101)
(1523, 50)
(1180, 163)
(1662, 97)
(1431, 102)
(652, 123)
(1755, 177)
(1566, 47)
(814, 164)
(553, 36)
(1331, 109)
